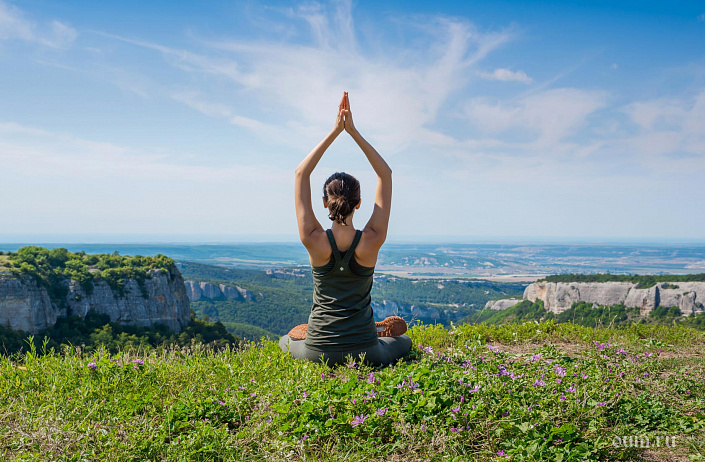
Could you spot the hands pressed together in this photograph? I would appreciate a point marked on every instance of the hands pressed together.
(344, 121)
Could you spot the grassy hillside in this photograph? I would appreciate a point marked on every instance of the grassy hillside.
(512, 392)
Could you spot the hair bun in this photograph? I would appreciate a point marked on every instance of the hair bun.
(342, 192)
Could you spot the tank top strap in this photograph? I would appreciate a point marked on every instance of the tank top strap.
(333, 245)
(349, 253)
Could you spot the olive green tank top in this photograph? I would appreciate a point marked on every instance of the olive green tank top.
(341, 316)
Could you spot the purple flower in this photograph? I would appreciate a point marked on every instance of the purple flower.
(539, 383)
(455, 409)
(602, 404)
(535, 357)
(571, 389)
(453, 429)
(304, 395)
(352, 364)
(500, 453)
(562, 398)
(138, 361)
(560, 371)
(381, 411)
(359, 419)
(371, 378)
(221, 403)
(92, 366)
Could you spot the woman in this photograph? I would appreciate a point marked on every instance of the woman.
(341, 323)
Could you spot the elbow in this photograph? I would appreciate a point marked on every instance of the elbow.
(298, 171)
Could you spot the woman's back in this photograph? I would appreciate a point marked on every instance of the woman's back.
(341, 315)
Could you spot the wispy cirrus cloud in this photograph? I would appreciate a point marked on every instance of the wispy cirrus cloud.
(298, 79)
(14, 25)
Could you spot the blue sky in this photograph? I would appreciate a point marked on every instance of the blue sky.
(501, 120)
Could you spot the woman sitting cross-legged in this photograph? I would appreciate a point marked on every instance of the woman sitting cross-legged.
(341, 322)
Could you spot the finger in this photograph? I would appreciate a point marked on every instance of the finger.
(347, 101)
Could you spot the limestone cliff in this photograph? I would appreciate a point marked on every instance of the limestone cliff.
(501, 304)
(560, 296)
(26, 306)
(196, 291)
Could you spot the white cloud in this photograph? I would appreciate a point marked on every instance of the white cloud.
(542, 119)
(301, 83)
(669, 125)
(14, 25)
(506, 75)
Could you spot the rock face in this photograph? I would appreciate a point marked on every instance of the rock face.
(501, 304)
(196, 290)
(560, 296)
(25, 306)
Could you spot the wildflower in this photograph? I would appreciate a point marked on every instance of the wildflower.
(352, 364)
(371, 378)
(602, 404)
(92, 366)
(560, 371)
(381, 411)
(535, 357)
(455, 409)
(371, 394)
(500, 453)
(304, 395)
(221, 403)
(571, 389)
(539, 383)
(562, 397)
(493, 348)
(359, 419)
(559, 381)
(323, 375)
(138, 361)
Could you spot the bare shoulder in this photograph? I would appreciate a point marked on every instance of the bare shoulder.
(318, 247)
(368, 247)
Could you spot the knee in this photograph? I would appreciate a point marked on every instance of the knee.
(284, 343)
(405, 341)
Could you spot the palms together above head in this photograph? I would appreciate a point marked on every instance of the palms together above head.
(344, 120)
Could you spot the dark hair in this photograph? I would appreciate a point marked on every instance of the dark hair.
(342, 192)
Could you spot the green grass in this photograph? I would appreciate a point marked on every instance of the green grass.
(476, 392)
(4, 264)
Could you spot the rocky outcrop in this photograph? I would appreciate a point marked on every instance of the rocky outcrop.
(196, 291)
(501, 304)
(560, 296)
(26, 306)
(166, 301)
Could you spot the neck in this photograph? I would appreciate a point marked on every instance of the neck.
(348, 221)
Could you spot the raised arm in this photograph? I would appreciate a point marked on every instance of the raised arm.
(379, 221)
(306, 219)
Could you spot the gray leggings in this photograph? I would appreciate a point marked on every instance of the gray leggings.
(387, 351)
